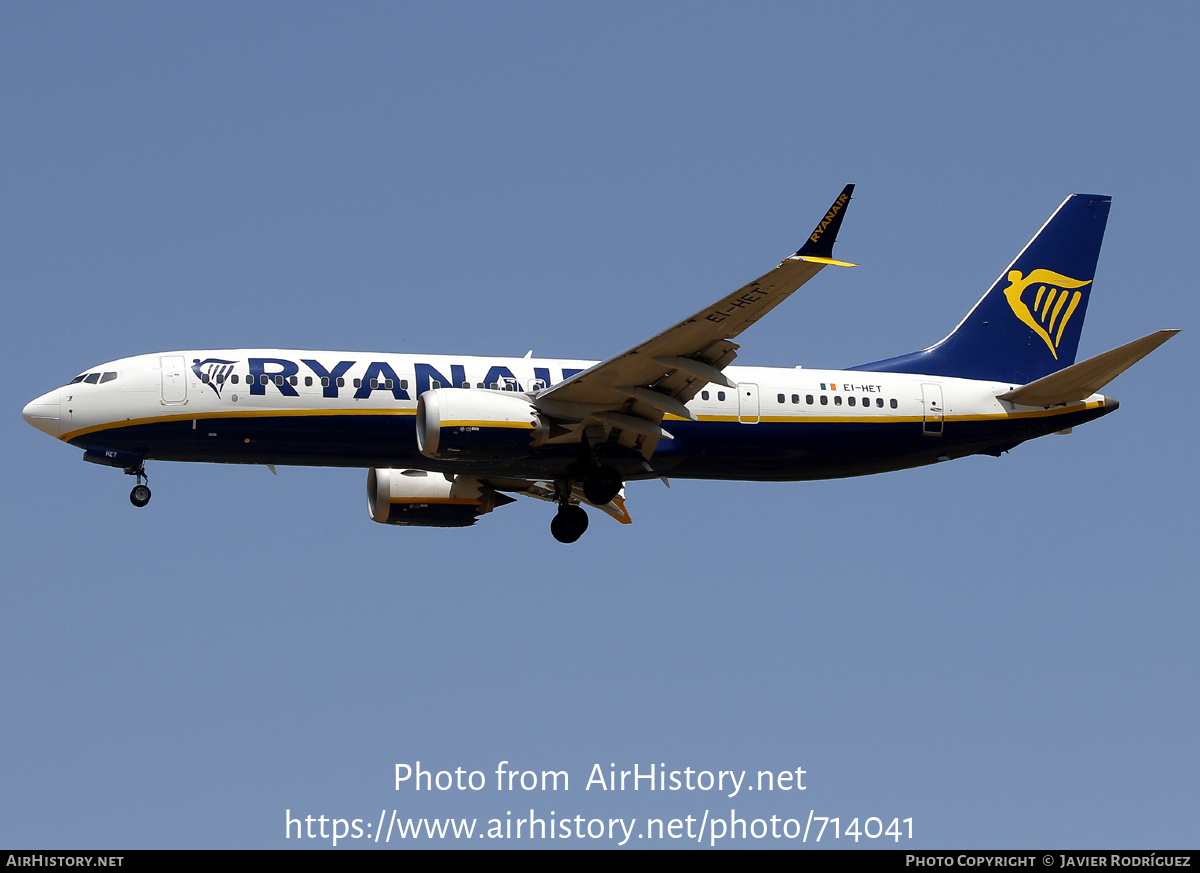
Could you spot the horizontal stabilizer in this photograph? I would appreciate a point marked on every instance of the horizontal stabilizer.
(1082, 380)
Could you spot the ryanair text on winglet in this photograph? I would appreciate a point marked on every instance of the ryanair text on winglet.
(837, 207)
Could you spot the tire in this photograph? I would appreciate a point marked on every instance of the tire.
(569, 524)
(602, 485)
(139, 496)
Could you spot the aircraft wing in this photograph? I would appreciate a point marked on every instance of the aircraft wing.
(542, 490)
(631, 392)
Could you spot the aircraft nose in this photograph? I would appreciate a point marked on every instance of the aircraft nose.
(43, 413)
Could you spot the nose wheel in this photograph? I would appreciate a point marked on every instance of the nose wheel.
(139, 496)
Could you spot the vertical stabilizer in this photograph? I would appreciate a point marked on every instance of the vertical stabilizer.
(1028, 324)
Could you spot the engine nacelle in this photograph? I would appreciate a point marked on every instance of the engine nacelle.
(463, 424)
(417, 497)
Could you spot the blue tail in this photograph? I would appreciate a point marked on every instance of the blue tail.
(1028, 324)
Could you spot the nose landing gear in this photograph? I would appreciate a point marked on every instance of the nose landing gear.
(131, 462)
(140, 495)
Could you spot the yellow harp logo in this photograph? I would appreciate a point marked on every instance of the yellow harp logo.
(1052, 306)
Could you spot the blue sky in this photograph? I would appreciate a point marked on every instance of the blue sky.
(1003, 650)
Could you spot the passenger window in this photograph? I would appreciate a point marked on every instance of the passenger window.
(262, 379)
(781, 398)
(808, 398)
(894, 403)
(403, 384)
(293, 380)
(879, 402)
(387, 383)
(796, 398)
(720, 395)
(850, 400)
(358, 383)
(325, 381)
(703, 394)
(837, 399)
(308, 381)
(279, 380)
(824, 400)
(204, 378)
(220, 378)
(234, 378)
(107, 377)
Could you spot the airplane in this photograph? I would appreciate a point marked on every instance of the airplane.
(447, 439)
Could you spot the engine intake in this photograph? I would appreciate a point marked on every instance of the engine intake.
(477, 424)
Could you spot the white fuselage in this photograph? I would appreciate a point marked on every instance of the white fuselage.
(355, 409)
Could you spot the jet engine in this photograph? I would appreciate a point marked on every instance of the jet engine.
(477, 424)
(424, 499)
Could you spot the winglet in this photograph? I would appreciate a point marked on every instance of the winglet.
(820, 242)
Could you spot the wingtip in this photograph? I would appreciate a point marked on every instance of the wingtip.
(820, 242)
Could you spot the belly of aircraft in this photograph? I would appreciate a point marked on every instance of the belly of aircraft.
(767, 451)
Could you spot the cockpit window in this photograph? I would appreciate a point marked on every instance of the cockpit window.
(93, 378)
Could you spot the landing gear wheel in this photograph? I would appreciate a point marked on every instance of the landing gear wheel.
(569, 524)
(602, 485)
(139, 496)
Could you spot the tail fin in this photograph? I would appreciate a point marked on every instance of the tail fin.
(1028, 324)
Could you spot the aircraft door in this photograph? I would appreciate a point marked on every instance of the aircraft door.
(935, 413)
(747, 403)
(174, 379)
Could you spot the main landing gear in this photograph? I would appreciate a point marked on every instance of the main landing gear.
(602, 484)
(571, 520)
(569, 523)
